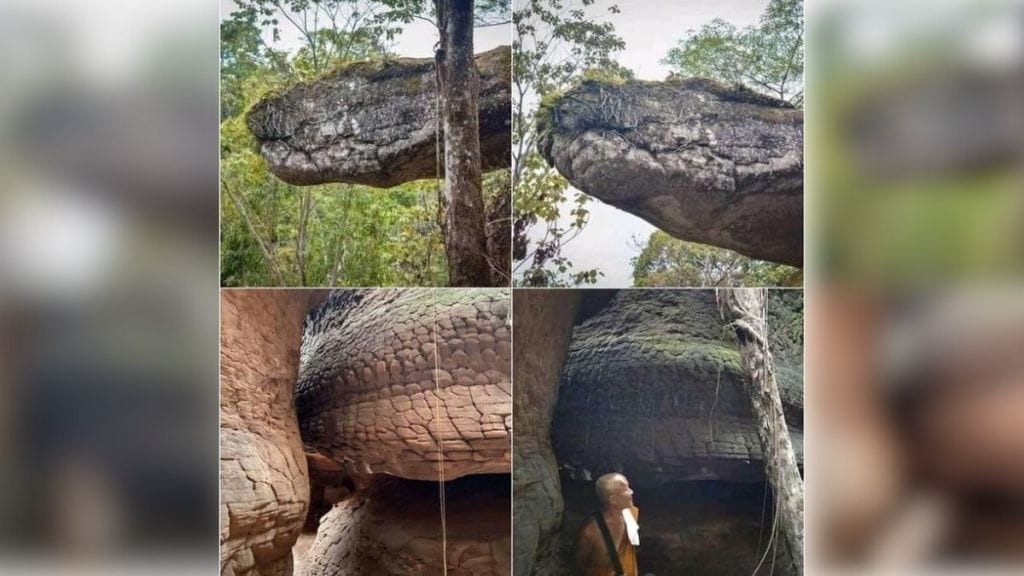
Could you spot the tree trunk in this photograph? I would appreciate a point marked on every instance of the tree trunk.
(745, 309)
(462, 203)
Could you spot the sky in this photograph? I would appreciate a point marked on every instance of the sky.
(649, 29)
(416, 40)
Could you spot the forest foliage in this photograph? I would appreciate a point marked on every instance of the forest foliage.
(276, 234)
(558, 43)
(666, 261)
(555, 41)
(769, 58)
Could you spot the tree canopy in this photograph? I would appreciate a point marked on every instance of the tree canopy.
(768, 57)
(275, 234)
(667, 261)
(555, 42)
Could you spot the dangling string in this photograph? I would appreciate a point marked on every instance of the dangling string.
(440, 453)
(437, 383)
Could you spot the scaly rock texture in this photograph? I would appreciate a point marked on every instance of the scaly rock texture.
(393, 528)
(543, 325)
(653, 387)
(373, 396)
(263, 476)
(375, 123)
(704, 162)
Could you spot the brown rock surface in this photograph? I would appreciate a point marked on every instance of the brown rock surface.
(263, 477)
(366, 394)
(394, 528)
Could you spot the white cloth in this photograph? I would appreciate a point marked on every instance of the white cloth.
(632, 528)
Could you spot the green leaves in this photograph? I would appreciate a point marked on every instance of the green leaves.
(555, 42)
(666, 261)
(485, 12)
(274, 234)
(768, 58)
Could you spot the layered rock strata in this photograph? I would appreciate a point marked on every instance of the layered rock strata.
(653, 387)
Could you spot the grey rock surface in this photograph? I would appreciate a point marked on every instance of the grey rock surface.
(543, 325)
(704, 162)
(653, 387)
(374, 123)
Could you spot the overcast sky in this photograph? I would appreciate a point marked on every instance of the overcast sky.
(416, 40)
(650, 29)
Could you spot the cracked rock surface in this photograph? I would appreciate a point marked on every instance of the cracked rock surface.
(374, 123)
(703, 162)
(394, 528)
(372, 396)
(543, 326)
(653, 386)
(263, 475)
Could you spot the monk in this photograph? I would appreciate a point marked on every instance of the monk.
(616, 499)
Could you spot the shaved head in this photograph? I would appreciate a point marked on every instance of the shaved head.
(606, 485)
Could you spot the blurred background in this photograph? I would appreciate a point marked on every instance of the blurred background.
(915, 197)
(108, 286)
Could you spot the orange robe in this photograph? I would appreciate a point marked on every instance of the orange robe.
(627, 556)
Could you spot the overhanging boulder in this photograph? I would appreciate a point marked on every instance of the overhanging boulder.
(374, 123)
(653, 387)
(704, 162)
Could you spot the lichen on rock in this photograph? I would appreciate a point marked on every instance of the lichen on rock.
(653, 385)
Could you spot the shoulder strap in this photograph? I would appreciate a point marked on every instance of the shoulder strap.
(609, 543)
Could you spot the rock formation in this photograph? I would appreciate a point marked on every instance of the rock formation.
(543, 325)
(360, 367)
(378, 410)
(366, 394)
(263, 476)
(375, 123)
(653, 385)
(703, 162)
(394, 527)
